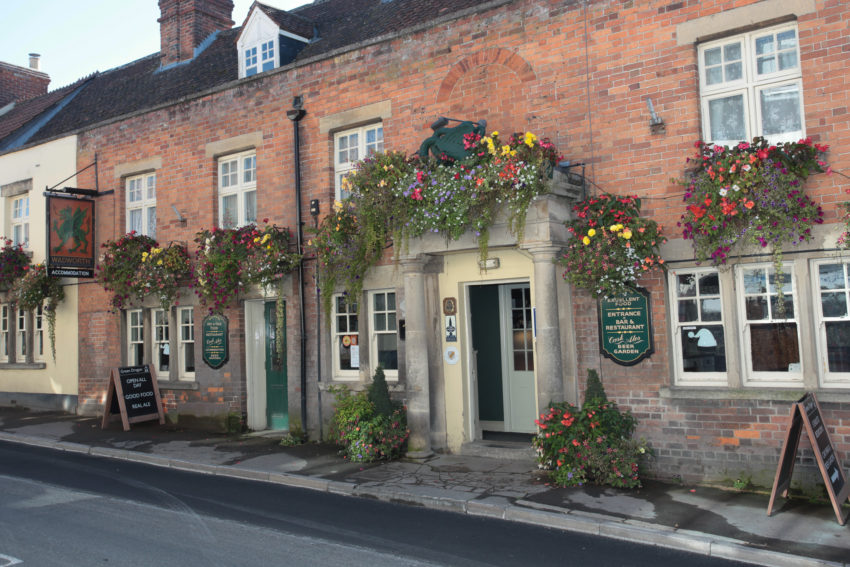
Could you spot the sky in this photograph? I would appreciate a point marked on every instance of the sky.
(78, 37)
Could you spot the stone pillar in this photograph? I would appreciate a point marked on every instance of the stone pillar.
(550, 376)
(416, 359)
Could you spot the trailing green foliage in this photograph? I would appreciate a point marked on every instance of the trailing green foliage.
(364, 434)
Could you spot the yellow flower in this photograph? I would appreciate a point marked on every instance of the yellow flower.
(530, 139)
(265, 238)
(338, 204)
(495, 133)
(591, 232)
(506, 150)
(159, 263)
(383, 183)
(586, 240)
(144, 256)
(627, 234)
(337, 227)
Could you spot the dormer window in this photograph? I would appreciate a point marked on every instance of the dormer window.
(270, 38)
(267, 60)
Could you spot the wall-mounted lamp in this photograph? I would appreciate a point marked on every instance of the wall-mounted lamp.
(180, 217)
(656, 123)
(314, 207)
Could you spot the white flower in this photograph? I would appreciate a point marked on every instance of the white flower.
(736, 188)
(723, 191)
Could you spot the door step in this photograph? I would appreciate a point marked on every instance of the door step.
(498, 449)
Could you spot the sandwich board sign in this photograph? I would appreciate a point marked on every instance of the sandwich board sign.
(134, 394)
(806, 412)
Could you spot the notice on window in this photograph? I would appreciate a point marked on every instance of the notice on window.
(355, 356)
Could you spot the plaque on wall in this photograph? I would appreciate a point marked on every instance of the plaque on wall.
(625, 327)
(214, 342)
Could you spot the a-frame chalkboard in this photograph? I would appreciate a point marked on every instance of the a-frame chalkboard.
(806, 411)
(133, 393)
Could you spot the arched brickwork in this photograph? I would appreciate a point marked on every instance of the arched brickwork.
(494, 84)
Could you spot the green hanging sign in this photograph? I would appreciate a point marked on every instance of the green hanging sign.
(214, 343)
(625, 327)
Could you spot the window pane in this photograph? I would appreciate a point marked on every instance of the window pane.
(380, 322)
(755, 281)
(391, 301)
(686, 285)
(189, 357)
(703, 349)
(838, 346)
(714, 75)
(764, 45)
(230, 211)
(834, 304)
(388, 351)
(756, 308)
(519, 361)
(136, 220)
(380, 302)
(732, 52)
(342, 324)
(712, 56)
(831, 276)
(151, 222)
(249, 166)
(709, 284)
(391, 321)
(344, 355)
(710, 309)
(726, 118)
(789, 306)
(780, 110)
(734, 71)
(250, 207)
(774, 347)
(688, 311)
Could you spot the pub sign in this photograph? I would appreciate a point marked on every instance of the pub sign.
(70, 237)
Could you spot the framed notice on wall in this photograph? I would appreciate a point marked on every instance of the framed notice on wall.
(625, 327)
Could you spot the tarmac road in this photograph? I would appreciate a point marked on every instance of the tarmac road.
(62, 508)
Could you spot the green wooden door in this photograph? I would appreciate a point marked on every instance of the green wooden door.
(277, 407)
(486, 340)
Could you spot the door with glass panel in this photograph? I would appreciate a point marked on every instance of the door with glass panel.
(518, 361)
(277, 405)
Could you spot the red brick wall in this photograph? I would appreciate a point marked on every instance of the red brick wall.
(20, 83)
(521, 67)
(184, 24)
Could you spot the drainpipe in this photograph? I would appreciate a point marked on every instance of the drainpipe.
(295, 115)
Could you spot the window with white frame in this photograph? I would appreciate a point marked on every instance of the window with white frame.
(237, 189)
(751, 85)
(186, 345)
(346, 340)
(384, 332)
(699, 330)
(832, 312)
(135, 337)
(141, 204)
(258, 62)
(4, 332)
(251, 61)
(161, 342)
(350, 146)
(38, 334)
(21, 337)
(771, 340)
(21, 220)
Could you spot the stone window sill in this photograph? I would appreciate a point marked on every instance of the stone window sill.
(832, 395)
(22, 365)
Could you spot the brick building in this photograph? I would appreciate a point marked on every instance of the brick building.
(369, 75)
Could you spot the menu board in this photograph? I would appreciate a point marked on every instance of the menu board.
(134, 394)
(806, 412)
(625, 327)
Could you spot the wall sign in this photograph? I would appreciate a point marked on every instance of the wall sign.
(134, 394)
(806, 411)
(625, 327)
(215, 348)
(70, 237)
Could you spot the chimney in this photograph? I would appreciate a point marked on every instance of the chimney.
(184, 24)
(34, 57)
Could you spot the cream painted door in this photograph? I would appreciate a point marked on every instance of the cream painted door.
(520, 399)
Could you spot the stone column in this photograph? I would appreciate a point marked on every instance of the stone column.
(416, 359)
(550, 376)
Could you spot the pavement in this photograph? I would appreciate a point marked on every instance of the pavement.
(705, 520)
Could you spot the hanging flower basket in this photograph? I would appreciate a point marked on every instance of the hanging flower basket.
(395, 198)
(37, 289)
(611, 245)
(13, 264)
(229, 260)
